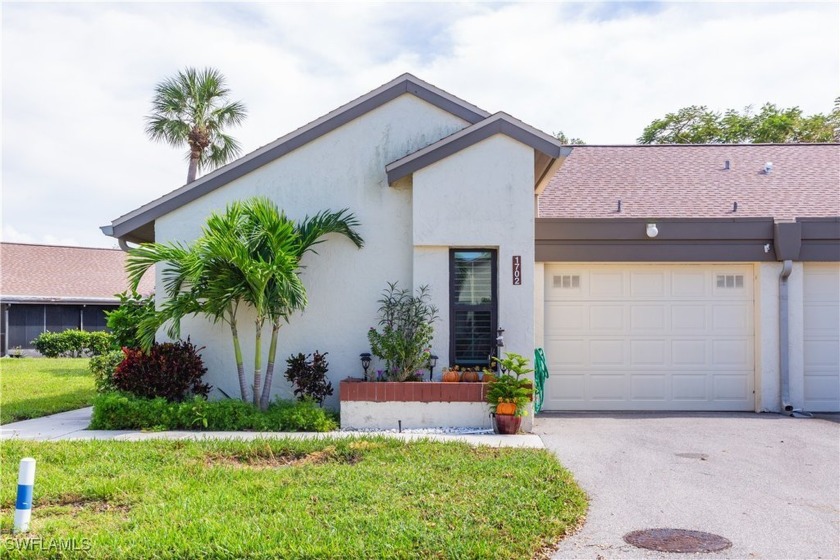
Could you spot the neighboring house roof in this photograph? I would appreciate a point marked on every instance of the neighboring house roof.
(48, 273)
(138, 225)
(692, 181)
(499, 123)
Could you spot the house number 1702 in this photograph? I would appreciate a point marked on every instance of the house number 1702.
(517, 270)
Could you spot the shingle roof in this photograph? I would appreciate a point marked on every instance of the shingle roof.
(48, 272)
(691, 181)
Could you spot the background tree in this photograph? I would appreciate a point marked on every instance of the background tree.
(560, 135)
(697, 124)
(249, 255)
(192, 109)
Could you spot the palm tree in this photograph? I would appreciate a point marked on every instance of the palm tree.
(274, 243)
(249, 255)
(192, 109)
(193, 285)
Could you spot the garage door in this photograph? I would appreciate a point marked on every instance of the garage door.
(822, 337)
(649, 337)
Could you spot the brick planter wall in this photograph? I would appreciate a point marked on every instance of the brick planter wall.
(420, 391)
(386, 405)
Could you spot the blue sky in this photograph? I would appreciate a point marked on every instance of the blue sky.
(77, 78)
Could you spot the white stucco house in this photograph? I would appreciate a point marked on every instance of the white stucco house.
(655, 277)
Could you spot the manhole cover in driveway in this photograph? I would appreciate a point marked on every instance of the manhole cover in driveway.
(677, 540)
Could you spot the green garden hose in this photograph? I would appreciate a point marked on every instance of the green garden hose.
(540, 375)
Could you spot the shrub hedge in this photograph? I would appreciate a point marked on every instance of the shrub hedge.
(73, 343)
(121, 411)
(102, 368)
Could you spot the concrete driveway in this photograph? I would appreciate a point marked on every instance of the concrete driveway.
(768, 483)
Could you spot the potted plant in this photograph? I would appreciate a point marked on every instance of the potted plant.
(509, 394)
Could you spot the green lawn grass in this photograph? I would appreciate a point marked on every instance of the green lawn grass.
(34, 387)
(327, 498)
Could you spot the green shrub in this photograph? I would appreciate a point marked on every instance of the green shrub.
(73, 343)
(122, 411)
(100, 342)
(124, 320)
(76, 342)
(50, 344)
(302, 416)
(102, 368)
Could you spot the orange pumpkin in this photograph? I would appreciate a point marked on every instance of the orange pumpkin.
(488, 377)
(471, 376)
(451, 376)
(506, 408)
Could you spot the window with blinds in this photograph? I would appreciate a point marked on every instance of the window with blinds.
(473, 309)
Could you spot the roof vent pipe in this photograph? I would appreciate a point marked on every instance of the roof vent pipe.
(784, 350)
(726, 165)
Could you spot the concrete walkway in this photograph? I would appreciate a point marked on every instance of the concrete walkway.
(768, 483)
(73, 426)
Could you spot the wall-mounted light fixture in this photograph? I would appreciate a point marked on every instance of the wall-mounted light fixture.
(652, 230)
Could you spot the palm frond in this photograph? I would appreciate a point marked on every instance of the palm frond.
(312, 230)
(223, 148)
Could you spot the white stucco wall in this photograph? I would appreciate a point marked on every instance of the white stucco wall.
(539, 305)
(481, 197)
(768, 383)
(343, 169)
(389, 415)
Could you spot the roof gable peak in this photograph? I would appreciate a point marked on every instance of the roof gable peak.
(135, 226)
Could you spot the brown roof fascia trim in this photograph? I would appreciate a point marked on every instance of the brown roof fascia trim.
(500, 123)
(820, 239)
(679, 240)
(125, 226)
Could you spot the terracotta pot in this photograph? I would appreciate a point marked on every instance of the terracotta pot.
(507, 424)
(450, 376)
(471, 376)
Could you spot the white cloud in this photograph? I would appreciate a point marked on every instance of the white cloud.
(77, 78)
(11, 235)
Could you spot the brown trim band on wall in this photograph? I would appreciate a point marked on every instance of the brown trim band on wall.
(677, 240)
(687, 240)
(820, 239)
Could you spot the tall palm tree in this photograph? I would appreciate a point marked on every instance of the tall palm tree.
(192, 109)
(249, 255)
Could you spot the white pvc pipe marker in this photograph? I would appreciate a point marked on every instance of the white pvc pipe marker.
(23, 506)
